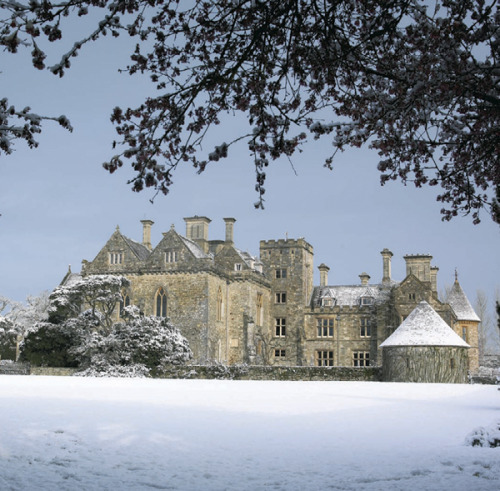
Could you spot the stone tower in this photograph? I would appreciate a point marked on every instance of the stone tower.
(288, 264)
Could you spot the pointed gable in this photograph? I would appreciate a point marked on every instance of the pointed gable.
(119, 253)
(461, 305)
(424, 327)
(175, 251)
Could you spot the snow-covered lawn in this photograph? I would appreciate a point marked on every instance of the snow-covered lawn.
(70, 433)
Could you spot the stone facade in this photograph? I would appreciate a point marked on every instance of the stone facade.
(236, 308)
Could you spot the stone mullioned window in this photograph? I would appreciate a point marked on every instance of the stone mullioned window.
(324, 358)
(280, 327)
(361, 359)
(365, 329)
(280, 297)
(325, 327)
(115, 258)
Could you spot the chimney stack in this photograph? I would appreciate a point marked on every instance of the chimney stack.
(323, 274)
(146, 233)
(229, 229)
(434, 272)
(419, 265)
(386, 255)
(365, 278)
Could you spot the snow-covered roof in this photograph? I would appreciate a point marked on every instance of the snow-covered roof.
(461, 305)
(424, 327)
(350, 295)
(247, 257)
(71, 278)
(195, 249)
(140, 250)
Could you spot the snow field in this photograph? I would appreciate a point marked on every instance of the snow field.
(73, 433)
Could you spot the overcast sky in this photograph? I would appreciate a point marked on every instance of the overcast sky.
(59, 206)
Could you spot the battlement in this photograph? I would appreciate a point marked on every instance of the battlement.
(286, 244)
(417, 256)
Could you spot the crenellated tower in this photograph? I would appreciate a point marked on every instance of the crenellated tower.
(288, 264)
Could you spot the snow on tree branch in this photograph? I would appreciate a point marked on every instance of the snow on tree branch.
(416, 81)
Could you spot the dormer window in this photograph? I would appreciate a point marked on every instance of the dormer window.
(238, 267)
(115, 258)
(171, 256)
(366, 301)
(327, 302)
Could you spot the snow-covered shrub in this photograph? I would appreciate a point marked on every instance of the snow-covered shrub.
(19, 321)
(8, 339)
(107, 370)
(99, 293)
(49, 345)
(147, 341)
(485, 436)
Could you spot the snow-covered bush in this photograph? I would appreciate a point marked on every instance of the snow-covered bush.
(8, 339)
(19, 321)
(99, 293)
(148, 341)
(107, 370)
(485, 436)
(137, 346)
(49, 345)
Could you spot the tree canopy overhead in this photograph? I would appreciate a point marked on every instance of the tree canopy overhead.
(418, 81)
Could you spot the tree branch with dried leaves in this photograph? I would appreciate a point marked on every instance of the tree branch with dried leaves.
(416, 81)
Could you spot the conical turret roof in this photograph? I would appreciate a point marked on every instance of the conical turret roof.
(460, 304)
(424, 327)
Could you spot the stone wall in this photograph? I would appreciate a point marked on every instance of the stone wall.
(425, 364)
(8, 367)
(468, 331)
(244, 372)
(52, 371)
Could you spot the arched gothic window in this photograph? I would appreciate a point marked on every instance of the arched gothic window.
(124, 302)
(161, 303)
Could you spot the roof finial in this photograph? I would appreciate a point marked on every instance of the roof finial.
(172, 227)
(69, 268)
(118, 228)
(456, 275)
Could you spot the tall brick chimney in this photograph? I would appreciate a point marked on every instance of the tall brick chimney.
(229, 229)
(146, 233)
(323, 274)
(386, 255)
(434, 272)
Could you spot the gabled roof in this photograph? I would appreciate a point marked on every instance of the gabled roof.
(194, 248)
(461, 305)
(140, 250)
(424, 327)
(247, 258)
(70, 278)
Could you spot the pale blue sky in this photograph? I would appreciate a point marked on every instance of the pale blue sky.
(59, 206)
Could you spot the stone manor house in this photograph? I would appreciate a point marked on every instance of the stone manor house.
(236, 308)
